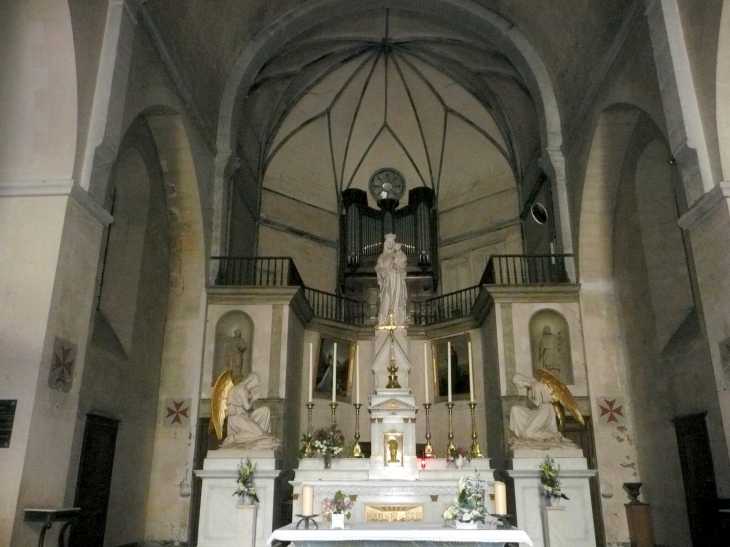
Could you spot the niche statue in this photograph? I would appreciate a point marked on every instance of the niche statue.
(234, 399)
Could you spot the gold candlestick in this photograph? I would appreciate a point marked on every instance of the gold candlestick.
(333, 406)
(450, 446)
(308, 448)
(476, 452)
(356, 448)
(428, 451)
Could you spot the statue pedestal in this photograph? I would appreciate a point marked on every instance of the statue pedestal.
(246, 525)
(553, 526)
(578, 530)
(641, 530)
(219, 509)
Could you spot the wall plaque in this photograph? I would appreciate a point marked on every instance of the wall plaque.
(7, 417)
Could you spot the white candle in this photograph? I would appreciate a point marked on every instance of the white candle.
(448, 360)
(311, 365)
(357, 374)
(471, 377)
(307, 496)
(500, 498)
(425, 371)
(334, 375)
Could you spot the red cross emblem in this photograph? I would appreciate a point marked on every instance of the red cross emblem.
(177, 411)
(611, 410)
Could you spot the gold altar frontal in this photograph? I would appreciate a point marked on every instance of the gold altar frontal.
(393, 513)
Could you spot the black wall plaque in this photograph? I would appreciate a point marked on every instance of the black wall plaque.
(7, 417)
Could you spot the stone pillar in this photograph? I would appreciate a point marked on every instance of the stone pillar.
(553, 525)
(641, 530)
(246, 525)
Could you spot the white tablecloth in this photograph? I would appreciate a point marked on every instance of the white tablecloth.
(397, 531)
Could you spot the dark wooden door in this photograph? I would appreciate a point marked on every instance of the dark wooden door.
(583, 437)
(94, 480)
(698, 475)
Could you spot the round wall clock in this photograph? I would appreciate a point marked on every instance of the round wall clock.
(387, 183)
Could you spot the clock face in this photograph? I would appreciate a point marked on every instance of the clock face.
(387, 184)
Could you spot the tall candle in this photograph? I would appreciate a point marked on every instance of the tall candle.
(448, 360)
(357, 374)
(425, 371)
(334, 375)
(500, 498)
(471, 377)
(307, 496)
(310, 372)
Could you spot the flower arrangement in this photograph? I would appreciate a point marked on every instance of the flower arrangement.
(469, 506)
(246, 487)
(454, 453)
(339, 505)
(549, 479)
(328, 441)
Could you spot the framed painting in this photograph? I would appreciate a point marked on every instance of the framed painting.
(459, 368)
(344, 362)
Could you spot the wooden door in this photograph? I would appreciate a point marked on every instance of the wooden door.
(94, 480)
(583, 437)
(698, 475)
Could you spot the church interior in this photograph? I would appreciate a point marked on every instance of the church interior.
(196, 190)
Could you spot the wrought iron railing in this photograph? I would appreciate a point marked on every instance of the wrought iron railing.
(336, 308)
(526, 269)
(258, 272)
(448, 306)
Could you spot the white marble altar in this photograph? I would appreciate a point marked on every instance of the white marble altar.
(578, 530)
(219, 520)
(385, 533)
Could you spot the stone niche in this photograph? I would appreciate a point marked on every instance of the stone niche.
(550, 344)
(233, 340)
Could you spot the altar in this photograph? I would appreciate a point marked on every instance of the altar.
(393, 535)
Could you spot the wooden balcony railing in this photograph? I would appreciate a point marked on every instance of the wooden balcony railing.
(526, 269)
(448, 306)
(335, 307)
(257, 271)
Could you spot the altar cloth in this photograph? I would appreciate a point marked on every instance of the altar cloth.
(383, 532)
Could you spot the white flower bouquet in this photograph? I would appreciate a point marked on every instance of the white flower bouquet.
(469, 506)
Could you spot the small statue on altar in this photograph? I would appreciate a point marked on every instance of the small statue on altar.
(248, 428)
(391, 270)
(535, 425)
(393, 451)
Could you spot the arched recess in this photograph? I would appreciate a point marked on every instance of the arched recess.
(303, 18)
(233, 344)
(723, 90)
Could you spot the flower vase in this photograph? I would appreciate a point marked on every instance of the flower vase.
(459, 461)
(551, 501)
(468, 525)
(245, 500)
(338, 521)
(327, 461)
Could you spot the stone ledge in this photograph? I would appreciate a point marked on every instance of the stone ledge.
(704, 205)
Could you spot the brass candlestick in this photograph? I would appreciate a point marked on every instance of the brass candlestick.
(333, 406)
(356, 448)
(476, 452)
(450, 446)
(308, 448)
(428, 450)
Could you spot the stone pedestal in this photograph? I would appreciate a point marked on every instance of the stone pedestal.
(219, 513)
(641, 529)
(553, 525)
(246, 525)
(574, 475)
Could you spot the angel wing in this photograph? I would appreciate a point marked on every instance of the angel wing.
(219, 402)
(559, 394)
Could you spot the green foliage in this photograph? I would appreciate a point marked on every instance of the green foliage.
(549, 479)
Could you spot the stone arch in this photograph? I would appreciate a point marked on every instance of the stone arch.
(304, 17)
(723, 90)
(226, 342)
(550, 344)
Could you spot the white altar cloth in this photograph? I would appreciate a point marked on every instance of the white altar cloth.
(398, 531)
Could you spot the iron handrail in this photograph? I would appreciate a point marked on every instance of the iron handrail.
(526, 269)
